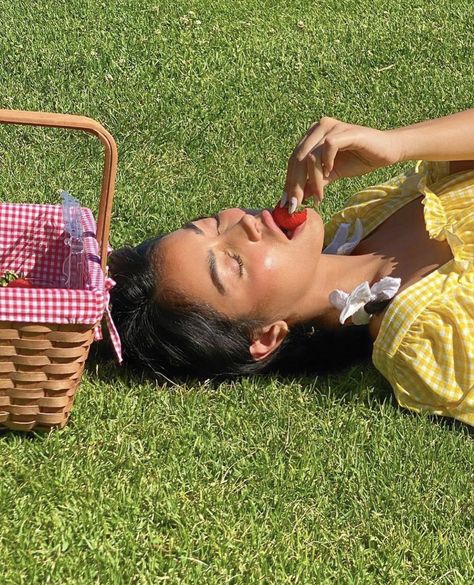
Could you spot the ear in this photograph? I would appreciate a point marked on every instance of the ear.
(267, 339)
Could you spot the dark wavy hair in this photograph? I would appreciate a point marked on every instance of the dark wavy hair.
(178, 338)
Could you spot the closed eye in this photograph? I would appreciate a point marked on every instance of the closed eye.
(232, 255)
(239, 261)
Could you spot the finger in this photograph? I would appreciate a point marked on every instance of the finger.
(314, 136)
(315, 174)
(334, 143)
(295, 181)
(299, 172)
(333, 176)
(311, 186)
(328, 154)
(308, 132)
(309, 194)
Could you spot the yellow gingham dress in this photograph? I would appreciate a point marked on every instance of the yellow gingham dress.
(425, 346)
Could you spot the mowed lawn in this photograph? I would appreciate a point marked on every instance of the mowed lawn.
(309, 480)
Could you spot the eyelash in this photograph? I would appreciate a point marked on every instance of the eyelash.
(239, 261)
(235, 257)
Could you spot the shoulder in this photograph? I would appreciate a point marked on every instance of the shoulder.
(429, 362)
(429, 329)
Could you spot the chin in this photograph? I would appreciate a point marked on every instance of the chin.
(312, 213)
(316, 225)
(314, 220)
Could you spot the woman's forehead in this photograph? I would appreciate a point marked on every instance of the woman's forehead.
(180, 253)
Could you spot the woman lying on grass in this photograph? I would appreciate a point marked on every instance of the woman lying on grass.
(233, 294)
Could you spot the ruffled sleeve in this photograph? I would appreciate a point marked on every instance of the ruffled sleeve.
(425, 345)
(371, 204)
(449, 207)
(432, 368)
(432, 171)
(375, 204)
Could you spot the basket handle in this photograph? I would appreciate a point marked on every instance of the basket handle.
(85, 124)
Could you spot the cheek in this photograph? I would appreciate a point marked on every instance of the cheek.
(269, 271)
(279, 274)
(268, 263)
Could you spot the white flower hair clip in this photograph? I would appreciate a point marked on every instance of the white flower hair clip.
(352, 304)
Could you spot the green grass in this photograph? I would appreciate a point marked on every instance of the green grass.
(321, 480)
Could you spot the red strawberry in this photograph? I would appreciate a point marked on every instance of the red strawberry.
(286, 221)
(20, 283)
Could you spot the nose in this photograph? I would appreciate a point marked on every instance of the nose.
(252, 227)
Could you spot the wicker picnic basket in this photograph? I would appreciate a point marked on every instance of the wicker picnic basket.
(41, 363)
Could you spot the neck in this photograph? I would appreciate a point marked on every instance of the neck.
(339, 272)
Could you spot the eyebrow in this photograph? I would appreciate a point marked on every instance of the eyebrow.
(211, 260)
(211, 257)
(192, 226)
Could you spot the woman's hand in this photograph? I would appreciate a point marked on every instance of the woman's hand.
(331, 150)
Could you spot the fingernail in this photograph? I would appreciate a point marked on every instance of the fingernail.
(293, 205)
(283, 200)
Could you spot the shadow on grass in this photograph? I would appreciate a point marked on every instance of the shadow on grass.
(361, 384)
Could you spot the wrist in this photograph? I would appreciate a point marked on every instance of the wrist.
(397, 145)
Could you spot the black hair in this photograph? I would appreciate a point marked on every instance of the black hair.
(181, 338)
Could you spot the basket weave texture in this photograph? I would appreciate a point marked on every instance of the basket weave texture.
(46, 331)
(40, 369)
(41, 363)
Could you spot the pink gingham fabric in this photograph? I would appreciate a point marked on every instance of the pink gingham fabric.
(32, 241)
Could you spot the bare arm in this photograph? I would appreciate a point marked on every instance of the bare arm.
(449, 138)
(332, 149)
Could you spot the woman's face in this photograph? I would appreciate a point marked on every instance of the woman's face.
(241, 264)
